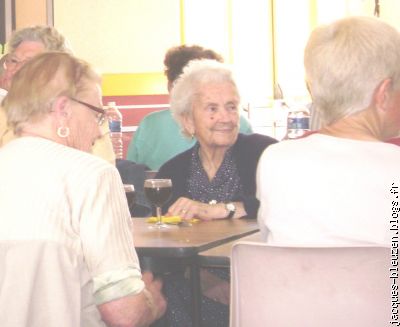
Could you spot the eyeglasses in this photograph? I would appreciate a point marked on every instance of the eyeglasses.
(14, 63)
(102, 113)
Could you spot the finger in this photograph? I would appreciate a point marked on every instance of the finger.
(147, 277)
(157, 283)
(176, 206)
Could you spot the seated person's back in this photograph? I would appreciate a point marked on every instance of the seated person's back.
(339, 186)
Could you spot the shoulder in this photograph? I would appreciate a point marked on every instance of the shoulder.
(255, 139)
(248, 148)
(395, 141)
(84, 161)
(64, 160)
(157, 116)
(177, 163)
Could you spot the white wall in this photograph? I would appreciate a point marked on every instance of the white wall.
(132, 36)
(122, 36)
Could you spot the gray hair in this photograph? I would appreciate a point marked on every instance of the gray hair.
(47, 35)
(345, 62)
(40, 81)
(195, 74)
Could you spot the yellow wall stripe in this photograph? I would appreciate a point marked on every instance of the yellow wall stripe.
(134, 84)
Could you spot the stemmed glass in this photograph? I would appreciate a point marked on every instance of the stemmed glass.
(158, 192)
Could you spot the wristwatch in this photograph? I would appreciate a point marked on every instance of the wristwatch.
(231, 208)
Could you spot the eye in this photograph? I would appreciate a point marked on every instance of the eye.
(232, 107)
(212, 108)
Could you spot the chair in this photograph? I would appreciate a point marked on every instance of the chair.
(42, 284)
(133, 173)
(309, 287)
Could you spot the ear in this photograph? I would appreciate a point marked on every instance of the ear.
(188, 124)
(382, 96)
(61, 108)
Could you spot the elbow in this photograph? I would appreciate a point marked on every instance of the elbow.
(130, 311)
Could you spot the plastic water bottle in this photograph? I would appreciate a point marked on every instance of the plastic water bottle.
(298, 123)
(115, 124)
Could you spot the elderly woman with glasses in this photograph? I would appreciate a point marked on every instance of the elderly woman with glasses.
(67, 196)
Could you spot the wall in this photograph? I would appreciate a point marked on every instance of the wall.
(30, 13)
(262, 39)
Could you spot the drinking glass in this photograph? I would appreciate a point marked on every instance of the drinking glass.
(158, 192)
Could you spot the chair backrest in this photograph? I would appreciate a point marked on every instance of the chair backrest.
(309, 287)
(44, 284)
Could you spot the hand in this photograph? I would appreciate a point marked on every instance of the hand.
(155, 298)
(188, 209)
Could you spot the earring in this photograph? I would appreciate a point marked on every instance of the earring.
(63, 131)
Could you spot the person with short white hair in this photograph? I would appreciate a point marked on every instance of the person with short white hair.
(214, 179)
(334, 187)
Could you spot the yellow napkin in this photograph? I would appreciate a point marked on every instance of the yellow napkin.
(170, 220)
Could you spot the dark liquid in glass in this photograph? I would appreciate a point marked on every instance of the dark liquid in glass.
(158, 195)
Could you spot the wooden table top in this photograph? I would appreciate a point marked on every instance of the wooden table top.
(183, 241)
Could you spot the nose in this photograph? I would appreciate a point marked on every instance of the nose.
(224, 115)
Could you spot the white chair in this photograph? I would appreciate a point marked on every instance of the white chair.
(44, 284)
(309, 287)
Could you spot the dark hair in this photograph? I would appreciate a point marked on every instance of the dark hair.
(178, 57)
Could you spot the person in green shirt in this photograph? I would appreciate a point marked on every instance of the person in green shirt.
(158, 137)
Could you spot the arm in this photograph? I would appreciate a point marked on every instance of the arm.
(188, 209)
(107, 243)
(136, 310)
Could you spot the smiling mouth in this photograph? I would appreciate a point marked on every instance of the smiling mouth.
(224, 130)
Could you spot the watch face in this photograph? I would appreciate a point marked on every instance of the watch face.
(230, 207)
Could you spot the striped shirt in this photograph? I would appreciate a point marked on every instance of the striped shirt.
(49, 191)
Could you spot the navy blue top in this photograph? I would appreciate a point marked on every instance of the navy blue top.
(246, 152)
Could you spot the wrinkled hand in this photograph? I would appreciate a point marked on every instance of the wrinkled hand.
(155, 297)
(188, 209)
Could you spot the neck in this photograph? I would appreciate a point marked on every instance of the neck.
(363, 126)
(27, 133)
(42, 130)
(211, 159)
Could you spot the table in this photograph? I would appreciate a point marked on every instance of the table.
(220, 256)
(184, 244)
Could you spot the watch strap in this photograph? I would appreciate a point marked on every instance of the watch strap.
(231, 209)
